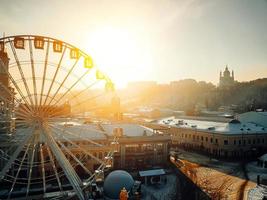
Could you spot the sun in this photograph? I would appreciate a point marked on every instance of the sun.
(118, 52)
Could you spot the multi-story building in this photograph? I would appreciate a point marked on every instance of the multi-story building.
(233, 139)
(138, 147)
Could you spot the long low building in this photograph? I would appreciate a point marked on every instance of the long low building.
(234, 139)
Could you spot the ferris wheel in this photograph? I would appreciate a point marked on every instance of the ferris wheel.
(42, 79)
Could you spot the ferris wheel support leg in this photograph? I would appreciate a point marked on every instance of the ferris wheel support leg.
(64, 163)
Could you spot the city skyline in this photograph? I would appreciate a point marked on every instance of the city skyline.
(163, 41)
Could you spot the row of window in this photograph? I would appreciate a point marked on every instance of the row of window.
(225, 142)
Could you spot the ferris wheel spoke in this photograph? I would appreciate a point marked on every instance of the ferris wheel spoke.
(64, 80)
(17, 174)
(55, 75)
(72, 134)
(33, 72)
(15, 154)
(82, 149)
(72, 176)
(54, 167)
(44, 73)
(34, 143)
(68, 90)
(75, 158)
(43, 168)
(84, 90)
(57, 113)
(20, 69)
(26, 109)
(16, 85)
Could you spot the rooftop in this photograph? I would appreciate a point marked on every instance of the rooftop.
(100, 131)
(215, 127)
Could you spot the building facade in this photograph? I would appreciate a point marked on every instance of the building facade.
(231, 140)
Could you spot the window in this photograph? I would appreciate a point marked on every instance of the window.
(216, 141)
(254, 141)
(211, 140)
(239, 142)
(193, 137)
(234, 142)
(197, 137)
(201, 138)
(244, 142)
(262, 140)
(258, 140)
(249, 141)
(206, 139)
(225, 142)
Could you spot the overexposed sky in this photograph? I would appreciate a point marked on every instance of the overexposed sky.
(161, 40)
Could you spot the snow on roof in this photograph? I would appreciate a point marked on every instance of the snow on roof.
(93, 131)
(153, 172)
(78, 130)
(215, 127)
(131, 130)
(259, 118)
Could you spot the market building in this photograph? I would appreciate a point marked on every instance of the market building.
(233, 139)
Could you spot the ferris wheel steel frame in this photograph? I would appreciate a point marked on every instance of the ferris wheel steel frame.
(36, 112)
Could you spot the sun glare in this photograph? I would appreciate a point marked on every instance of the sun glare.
(116, 51)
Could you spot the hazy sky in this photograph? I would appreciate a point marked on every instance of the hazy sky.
(160, 40)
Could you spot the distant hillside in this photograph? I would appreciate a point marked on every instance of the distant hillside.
(190, 95)
(246, 95)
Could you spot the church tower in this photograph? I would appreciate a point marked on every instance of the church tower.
(227, 79)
